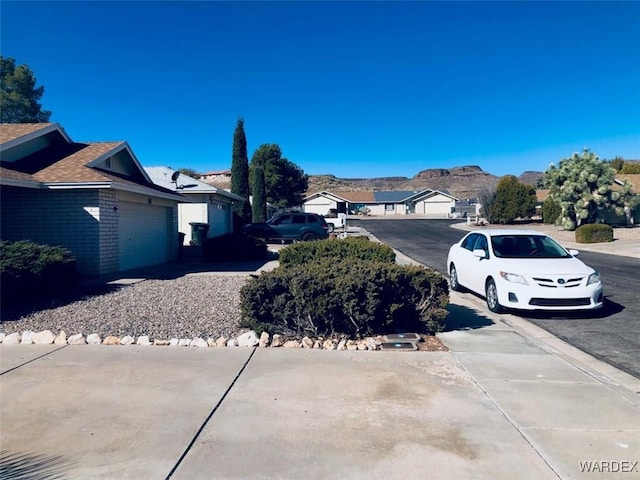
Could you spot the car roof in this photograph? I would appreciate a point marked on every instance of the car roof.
(494, 232)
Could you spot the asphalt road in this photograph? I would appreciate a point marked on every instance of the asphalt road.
(612, 335)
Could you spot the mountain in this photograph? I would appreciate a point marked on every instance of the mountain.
(462, 182)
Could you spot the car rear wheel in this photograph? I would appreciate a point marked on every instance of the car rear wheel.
(492, 297)
(309, 236)
(330, 227)
(453, 279)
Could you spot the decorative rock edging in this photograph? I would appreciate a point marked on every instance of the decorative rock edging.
(247, 339)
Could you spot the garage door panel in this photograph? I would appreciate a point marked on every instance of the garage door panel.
(143, 232)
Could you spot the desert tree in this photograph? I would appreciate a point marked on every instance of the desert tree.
(487, 198)
(285, 182)
(513, 200)
(582, 186)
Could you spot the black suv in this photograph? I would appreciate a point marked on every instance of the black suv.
(290, 226)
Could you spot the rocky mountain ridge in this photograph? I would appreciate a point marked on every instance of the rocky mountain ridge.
(461, 182)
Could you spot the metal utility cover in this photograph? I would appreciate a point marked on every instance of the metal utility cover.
(402, 337)
(400, 346)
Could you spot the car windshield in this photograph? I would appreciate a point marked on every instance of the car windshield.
(527, 246)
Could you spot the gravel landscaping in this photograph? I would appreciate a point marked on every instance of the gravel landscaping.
(187, 307)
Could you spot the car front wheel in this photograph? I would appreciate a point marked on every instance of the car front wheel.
(453, 279)
(492, 297)
(330, 227)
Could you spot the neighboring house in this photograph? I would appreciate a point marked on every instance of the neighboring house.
(207, 204)
(216, 175)
(94, 199)
(432, 203)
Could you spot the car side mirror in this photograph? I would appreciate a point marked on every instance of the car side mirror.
(480, 253)
(573, 252)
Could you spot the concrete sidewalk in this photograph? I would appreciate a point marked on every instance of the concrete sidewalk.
(501, 404)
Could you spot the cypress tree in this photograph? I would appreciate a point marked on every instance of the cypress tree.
(240, 175)
(259, 204)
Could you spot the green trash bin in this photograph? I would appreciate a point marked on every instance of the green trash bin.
(198, 233)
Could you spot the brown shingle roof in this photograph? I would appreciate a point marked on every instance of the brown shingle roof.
(632, 178)
(11, 131)
(74, 167)
(13, 175)
(357, 197)
(542, 194)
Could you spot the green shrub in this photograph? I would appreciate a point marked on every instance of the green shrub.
(336, 251)
(550, 211)
(30, 270)
(234, 247)
(594, 233)
(353, 298)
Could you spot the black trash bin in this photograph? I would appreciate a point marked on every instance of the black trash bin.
(180, 243)
(198, 233)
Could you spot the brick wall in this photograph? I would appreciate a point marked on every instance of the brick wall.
(69, 218)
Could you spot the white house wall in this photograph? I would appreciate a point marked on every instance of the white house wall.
(191, 212)
(438, 206)
(320, 205)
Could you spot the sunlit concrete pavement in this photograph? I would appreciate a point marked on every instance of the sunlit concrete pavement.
(503, 403)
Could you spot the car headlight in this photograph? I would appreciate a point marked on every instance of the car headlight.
(514, 278)
(593, 278)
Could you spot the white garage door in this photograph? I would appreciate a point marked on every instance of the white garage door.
(143, 235)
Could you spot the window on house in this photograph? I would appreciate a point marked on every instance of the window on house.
(389, 207)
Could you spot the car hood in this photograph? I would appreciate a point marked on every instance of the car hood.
(545, 266)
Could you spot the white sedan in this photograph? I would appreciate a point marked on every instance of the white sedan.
(523, 270)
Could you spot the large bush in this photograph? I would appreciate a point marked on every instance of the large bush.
(351, 297)
(29, 270)
(594, 233)
(337, 250)
(551, 211)
(234, 247)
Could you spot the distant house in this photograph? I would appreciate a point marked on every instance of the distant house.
(216, 175)
(431, 203)
(205, 203)
(94, 199)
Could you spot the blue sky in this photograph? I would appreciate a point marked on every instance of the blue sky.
(353, 89)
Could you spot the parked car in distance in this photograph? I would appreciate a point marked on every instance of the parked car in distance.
(524, 270)
(290, 226)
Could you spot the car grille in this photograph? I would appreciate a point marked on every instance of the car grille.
(558, 282)
(560, 302)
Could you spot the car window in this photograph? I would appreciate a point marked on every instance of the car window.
(527, 246)
(298, 219)
(470, 241)
(283, 220)
(312, 219)
(482, 244)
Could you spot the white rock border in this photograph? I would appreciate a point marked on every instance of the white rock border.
(246, 339)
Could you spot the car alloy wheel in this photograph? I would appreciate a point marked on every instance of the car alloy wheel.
(492, 297)
(330, 227)
(453, 279)
(309, 236)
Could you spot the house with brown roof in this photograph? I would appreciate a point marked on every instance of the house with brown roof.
(93, 198)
